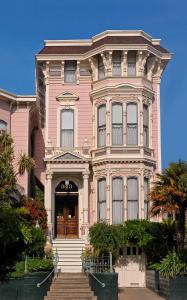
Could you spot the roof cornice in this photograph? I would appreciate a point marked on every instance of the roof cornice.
(7, 96)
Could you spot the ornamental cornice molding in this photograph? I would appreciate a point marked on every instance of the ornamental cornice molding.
(67, 98)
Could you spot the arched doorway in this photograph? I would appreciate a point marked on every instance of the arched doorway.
(66, 209)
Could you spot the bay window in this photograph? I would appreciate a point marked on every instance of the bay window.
(102, 125)
(131, 61)
(101, 68)
(102, 199)
(145, 126)
(146, 200)
(116, 63)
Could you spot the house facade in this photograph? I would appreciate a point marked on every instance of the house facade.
(93, 128)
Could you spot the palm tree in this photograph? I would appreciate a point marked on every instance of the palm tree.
(9, 189)
(169, 197)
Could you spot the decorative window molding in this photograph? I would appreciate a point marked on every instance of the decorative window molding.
(75, 113)
(67, 98)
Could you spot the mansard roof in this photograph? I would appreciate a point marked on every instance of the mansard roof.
(122, 37)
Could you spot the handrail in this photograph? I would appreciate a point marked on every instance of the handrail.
(55, 270)
(101, 283)
(45, 279)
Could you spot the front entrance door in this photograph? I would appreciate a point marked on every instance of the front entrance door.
(66, 211)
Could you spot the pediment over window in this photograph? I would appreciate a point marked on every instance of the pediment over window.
(67, 97)
(67, 157)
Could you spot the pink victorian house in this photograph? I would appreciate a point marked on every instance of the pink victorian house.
(93, 128)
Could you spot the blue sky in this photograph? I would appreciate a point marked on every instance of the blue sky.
(25, 24)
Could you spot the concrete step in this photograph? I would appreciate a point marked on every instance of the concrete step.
(68, 298)
(70, 294)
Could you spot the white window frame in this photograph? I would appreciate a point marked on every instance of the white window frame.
(116, 124)
(132, 200)
(119, 200)
(70, 69)
(132, 124)
(100, 127)
(98, 200)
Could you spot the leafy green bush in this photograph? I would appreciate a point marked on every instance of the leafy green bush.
(105, 238)
(36, 245)
(171, 266)
(33, 265)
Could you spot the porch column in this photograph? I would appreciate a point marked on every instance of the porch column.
(48, 201)
(85, 200)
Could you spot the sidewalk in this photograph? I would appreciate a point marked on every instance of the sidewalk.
(138, 294)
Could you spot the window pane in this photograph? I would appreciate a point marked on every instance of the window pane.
(132, 135)
(67, 137)
(67, 119)
(102, 199)
(131, 113)
(132, 189)
(117, 200)
(102, 115)
(102, 136)
(132, 210)
(70, 71)
(131, 63)
(146, 200)
(145, 137)
(117, 113)
(116, 63)
(3, 126)
(117, 135)
(145, 115)
(101, 68)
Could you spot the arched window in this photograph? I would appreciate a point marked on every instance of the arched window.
(3, 127)
(116, 63)
(132, 198)
(102, 125)
(132, 124)
(145, 125)
(146, 200)
(67, 128)
(117, 200)
(102, 199)
(117, 124)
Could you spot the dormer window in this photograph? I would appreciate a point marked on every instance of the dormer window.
(116, 63)
(3, 127)
(101, 68)
(70, 68)
(131, 59)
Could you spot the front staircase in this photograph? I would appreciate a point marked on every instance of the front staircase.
(69, 254)
(70, 286)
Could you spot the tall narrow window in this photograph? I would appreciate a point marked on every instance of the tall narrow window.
(102, 199)
(132, 124)
(145, 126)
(116, 63)
(131, 59)
(117, 124)
(117, 200)
(70, 71)
(3, 127)
(132, 198)
(102, 125)
(146, 199)
(67, 128)
(101, 68)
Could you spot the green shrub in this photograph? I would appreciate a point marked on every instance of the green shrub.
(105, 238)
(171, 266)
(33, 265)
(36, 245)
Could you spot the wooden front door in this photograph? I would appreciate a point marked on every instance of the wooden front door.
(67, 216)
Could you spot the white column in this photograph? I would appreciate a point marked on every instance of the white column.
(85, 199)
(48, 200)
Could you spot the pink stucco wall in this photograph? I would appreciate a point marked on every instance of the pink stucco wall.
(84, 106)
